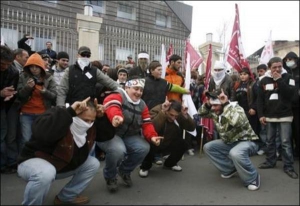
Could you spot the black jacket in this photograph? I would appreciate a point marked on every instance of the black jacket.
(272, 107)
(9, 77)
(52, 140)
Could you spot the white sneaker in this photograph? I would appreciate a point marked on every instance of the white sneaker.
(191, 152)
(143, 173)
(260, 152)
(159, 162)
(177, 168)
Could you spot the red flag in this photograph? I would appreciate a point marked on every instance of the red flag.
(195, 58)
(207, 123)
(169, 53)
(236, 55)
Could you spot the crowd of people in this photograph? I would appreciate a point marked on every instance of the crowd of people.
(59, 119)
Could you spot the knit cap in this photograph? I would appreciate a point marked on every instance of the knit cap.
(62, 55)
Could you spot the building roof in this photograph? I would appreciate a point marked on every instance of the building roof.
(183, 11)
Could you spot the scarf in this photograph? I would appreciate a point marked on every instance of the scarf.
(78, 129)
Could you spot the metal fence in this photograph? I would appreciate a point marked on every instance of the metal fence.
(43, 27)
(117, 43)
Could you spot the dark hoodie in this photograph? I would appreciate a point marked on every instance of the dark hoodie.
(295, 74)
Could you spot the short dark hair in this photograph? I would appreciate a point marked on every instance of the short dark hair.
(7, 54)
(174, 58)
(18, 51)
(175, 105)
(262, 66)
(274, 60)
(153, 65)
(91, 104)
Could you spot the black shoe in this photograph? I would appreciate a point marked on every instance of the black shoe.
(265, 165)
(292, 174)
(126, 179)
(112, 184)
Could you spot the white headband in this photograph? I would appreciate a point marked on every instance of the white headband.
(143, 55)
(135, 83)
(214, 101)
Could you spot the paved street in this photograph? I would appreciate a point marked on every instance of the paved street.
(198, 184)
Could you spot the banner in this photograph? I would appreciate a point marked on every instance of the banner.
(235, 54)
(186, 98)
(164, 59)
(267, 52)
(195, 58)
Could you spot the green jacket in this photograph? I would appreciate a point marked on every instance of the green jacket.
(232, 125)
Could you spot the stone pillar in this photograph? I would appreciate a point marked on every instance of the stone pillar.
(88, 28)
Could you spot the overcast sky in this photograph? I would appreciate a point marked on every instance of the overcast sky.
(257, 19)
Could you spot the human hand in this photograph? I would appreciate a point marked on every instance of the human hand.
(252, 112)
(184, 110)
(156, 140)
(29, 37)
(187, 91)
(31, 83)
(222, 97)
(117, 120)
(276, 75)
(263, 120)
(80, 107)
(99, 108)
(165, 106)
(8, 93)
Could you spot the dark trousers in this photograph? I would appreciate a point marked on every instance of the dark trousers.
(295, 132)
(176, 149)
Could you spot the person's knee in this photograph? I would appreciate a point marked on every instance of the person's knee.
(144, 148)
(207, 147)
(95, 164)
(117, 151)
(44, 177)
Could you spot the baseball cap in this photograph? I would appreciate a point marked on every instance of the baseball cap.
(84, 49)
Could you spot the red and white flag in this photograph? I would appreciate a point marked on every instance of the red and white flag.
(195, 58)
(164, 59)
(235, 54)
(267, 52)
(207, 123)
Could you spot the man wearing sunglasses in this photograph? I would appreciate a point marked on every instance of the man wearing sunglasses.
(79, 80)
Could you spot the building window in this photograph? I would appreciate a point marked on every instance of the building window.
(122, 54)
(9, 37)
(163, 20)
(126, 12)
(98, 6)
(54, 2)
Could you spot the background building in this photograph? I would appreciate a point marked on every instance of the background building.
(127, 26)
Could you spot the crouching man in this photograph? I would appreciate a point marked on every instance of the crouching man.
(59, 148)
(231, 153)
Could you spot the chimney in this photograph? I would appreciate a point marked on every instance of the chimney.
(88, 10)
(209, 37)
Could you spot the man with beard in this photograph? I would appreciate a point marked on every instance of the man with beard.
(174, 76)
(142, 69)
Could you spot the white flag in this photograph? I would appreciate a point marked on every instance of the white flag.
(163, 62)
(2, 40)
(267, 52)
(186, 98)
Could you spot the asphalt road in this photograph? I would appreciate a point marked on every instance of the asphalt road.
(198, 184)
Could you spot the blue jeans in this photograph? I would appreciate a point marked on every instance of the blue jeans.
(285, 132)
(39, 174)
(26, 121)
(235, 156)
(126, 153)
